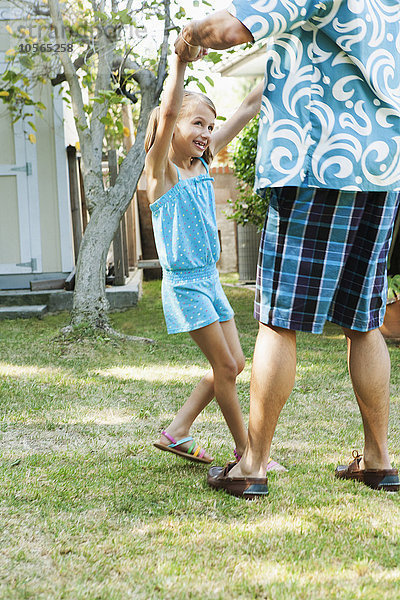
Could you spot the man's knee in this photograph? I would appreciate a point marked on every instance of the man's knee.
(353, 334)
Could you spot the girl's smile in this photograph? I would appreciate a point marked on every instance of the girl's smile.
(193, 130)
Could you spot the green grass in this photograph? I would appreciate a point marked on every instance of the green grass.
(89, 509)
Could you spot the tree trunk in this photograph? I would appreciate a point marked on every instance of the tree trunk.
(90, 303)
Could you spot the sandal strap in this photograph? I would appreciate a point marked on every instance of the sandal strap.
(182, 441)
(236, 455)
(169, 437)
(174, 442)
(195, 450)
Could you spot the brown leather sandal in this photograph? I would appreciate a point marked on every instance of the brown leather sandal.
(243, 487)
(377, 479)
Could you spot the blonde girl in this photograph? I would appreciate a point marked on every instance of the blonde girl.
(180, 143)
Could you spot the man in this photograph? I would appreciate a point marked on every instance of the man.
(329, 150)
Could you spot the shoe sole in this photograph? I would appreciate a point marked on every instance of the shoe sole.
(390, 483)
(255, 490)
(183, 454)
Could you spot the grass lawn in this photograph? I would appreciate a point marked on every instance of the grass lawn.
(89, 509)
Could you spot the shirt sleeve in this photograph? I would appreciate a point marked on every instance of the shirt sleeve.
(264, 18)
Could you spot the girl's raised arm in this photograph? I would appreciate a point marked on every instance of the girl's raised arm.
(156, 159)
(247, 110)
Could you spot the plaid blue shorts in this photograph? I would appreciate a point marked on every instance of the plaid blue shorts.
(193, 299)
(323, 256)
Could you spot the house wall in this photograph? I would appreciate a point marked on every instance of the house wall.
(9, 230)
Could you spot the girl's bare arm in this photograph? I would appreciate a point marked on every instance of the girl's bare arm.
(156, 159)
(246, 111)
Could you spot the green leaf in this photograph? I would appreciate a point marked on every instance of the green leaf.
(214, 57)
(26, 61)
(201, 87)
(210, 81)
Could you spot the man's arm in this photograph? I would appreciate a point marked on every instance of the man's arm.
(219, 31)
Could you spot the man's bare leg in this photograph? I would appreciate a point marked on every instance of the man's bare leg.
(272, 380)
(369, 368)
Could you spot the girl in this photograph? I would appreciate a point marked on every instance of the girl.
(180, 143)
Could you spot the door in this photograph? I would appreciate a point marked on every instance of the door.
(20, 218)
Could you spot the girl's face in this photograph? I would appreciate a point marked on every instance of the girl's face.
(192, 134)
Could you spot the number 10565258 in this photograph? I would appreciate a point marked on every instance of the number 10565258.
(35, 47)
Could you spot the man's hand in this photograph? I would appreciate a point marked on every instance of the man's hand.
(188, 52)
(219, 31)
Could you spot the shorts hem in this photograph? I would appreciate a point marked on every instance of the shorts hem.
(314, 327)
(196, 326)
(290, 324)
(376, 323)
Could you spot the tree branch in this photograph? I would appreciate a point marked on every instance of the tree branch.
(78, 63)
(89, 167)
(162, 65)
(134, 161)
(69, 69)
(105, 51)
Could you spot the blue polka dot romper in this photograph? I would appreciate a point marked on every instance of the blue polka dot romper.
(186, 235)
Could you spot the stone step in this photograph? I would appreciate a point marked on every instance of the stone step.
(22, 312)
(119, 297)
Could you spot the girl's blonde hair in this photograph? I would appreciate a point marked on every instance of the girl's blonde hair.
(155, 117)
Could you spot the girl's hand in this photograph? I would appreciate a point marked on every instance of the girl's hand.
(187, 52)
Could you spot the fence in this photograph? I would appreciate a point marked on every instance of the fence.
(125, 250)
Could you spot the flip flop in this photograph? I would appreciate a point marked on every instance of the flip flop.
(194, 452)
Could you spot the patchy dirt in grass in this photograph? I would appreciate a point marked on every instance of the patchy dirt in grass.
(21, 440)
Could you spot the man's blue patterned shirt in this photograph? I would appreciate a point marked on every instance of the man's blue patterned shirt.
(330, 113)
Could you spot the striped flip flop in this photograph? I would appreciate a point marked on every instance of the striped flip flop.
(194, 452)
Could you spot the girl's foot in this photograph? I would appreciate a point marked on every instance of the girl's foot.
(275, 466)
(271, 466)
(183, 446)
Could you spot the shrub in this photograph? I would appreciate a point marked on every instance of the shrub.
(249, 207)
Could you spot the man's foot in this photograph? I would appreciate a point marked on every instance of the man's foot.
(185, 447)
(245, 487)
(377, 479)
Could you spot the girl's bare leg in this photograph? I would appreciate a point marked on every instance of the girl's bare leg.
(204, 391)
(219, 342)
(202, 395)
